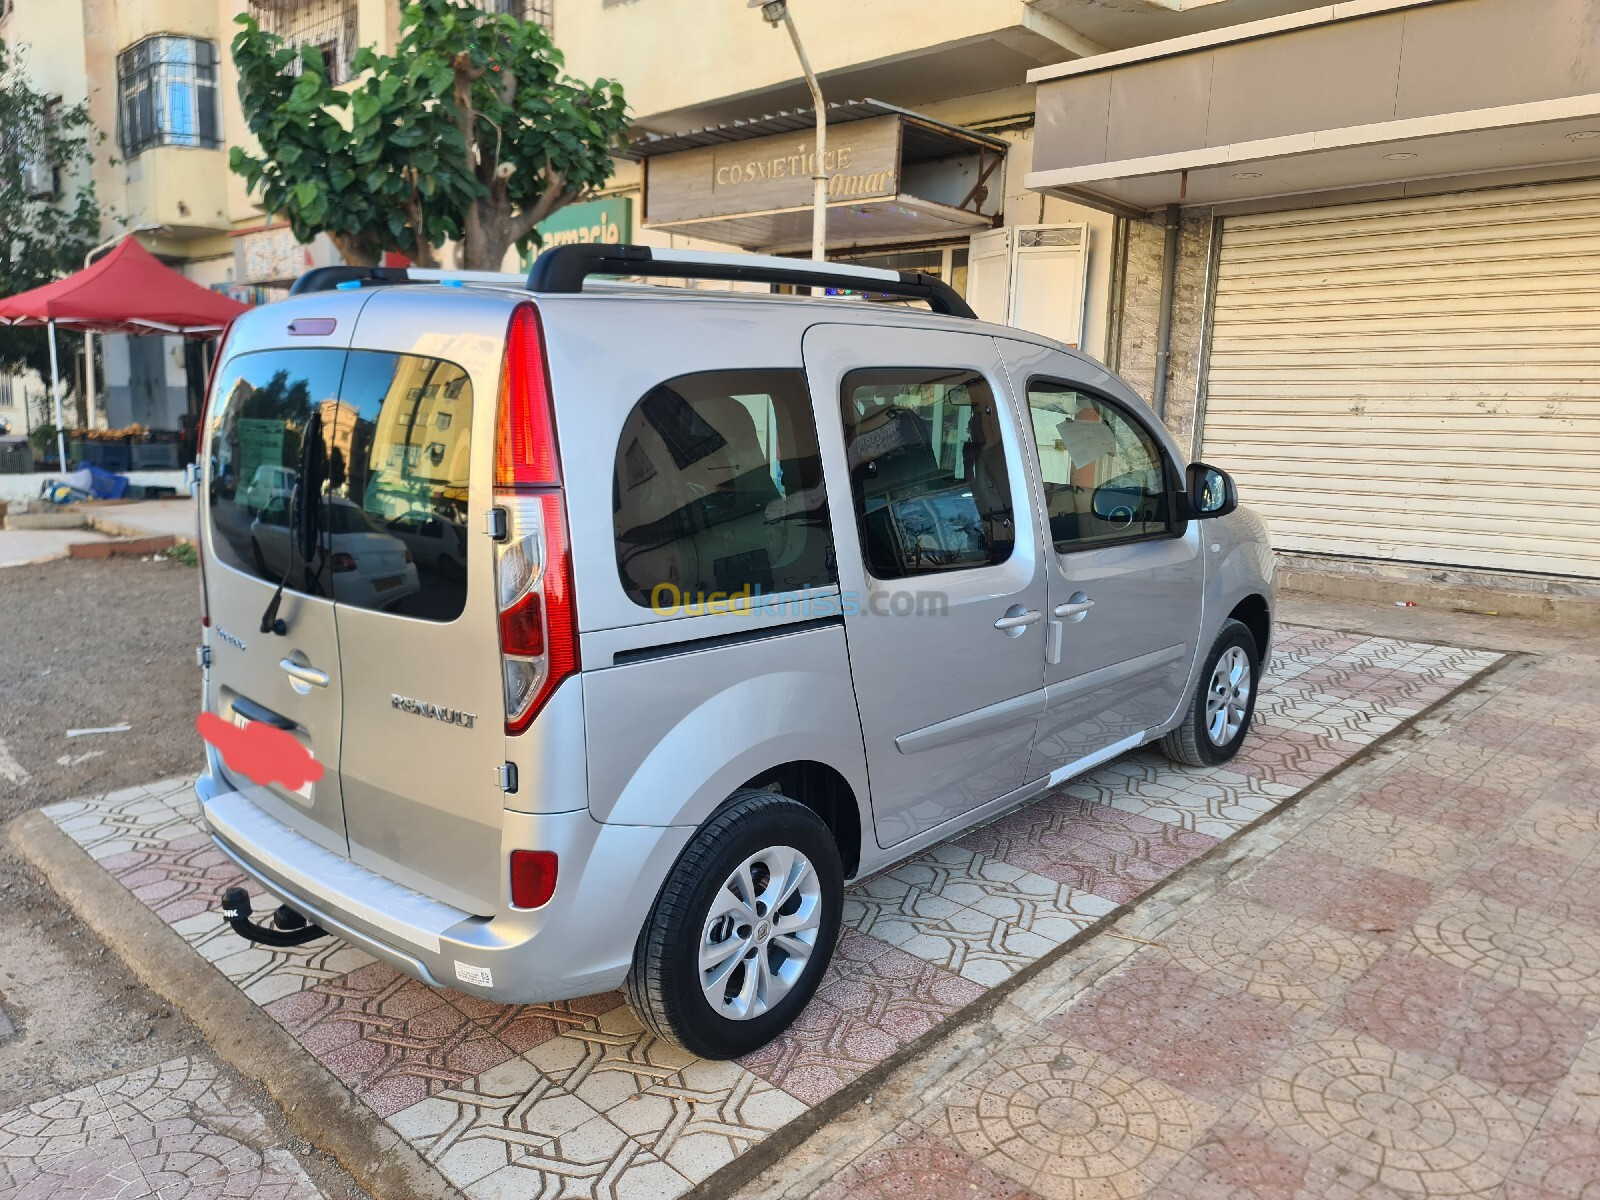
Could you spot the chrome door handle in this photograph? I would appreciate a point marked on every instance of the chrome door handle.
(303, 674)
(1074, 608)
(1018, 620)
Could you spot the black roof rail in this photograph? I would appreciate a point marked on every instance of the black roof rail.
(563, 269)
(325, 279)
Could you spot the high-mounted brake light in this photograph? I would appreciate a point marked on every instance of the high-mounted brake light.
(533, 565)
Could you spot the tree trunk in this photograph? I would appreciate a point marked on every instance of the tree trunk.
(360, 250)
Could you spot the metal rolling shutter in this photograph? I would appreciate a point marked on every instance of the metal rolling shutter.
(1417, 380)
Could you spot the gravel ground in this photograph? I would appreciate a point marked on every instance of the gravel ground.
(85, 644)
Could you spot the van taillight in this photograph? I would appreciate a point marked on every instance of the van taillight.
(525, 435)
(533, 566)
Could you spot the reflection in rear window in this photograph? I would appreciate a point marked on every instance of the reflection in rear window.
(390, 473)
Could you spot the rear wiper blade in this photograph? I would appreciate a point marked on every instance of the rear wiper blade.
(302, 519)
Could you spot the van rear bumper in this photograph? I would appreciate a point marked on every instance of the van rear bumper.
(578, 944)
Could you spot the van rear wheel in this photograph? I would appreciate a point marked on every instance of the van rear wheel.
(743, 928)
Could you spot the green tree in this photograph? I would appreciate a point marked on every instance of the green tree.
(470, 131)
(42, 237)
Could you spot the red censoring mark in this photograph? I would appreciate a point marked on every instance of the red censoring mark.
(260, 753)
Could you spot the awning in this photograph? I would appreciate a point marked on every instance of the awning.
(127, 291)
(1367, 101)
(893, 176)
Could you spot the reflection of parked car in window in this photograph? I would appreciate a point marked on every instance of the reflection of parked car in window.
(773, 593)
(269, 483)
(433, 542)
(359, 563)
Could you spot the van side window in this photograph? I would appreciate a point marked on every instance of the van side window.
(263, 407)
(398, 457)
(718, 489)
(927, 470)
(1104, 476)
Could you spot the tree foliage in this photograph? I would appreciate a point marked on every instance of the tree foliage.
(470, 131)
(42, 238)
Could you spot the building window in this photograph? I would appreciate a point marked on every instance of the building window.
(541, 11)
(329, 26)
(167, 88)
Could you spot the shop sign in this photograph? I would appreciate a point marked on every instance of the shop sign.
(766, 174)
(609, 221)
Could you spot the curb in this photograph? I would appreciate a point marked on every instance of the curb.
(316, 1106)
(137, 548)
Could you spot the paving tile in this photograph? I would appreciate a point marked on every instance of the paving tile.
(1236, 1162)
(1569, 827)
(1336, 893)
(1187, 1030)
(702, 1117)
(1453, 802)
(395, 1040)
(1273, 956)
(1513, 1040)
(1412, 1126)
(1515, 947)
(1374, 838)
(919, 1167)
(170, 1130)
(1525, 877)
(1501, 769)
(875, 1000)
(1067, 1122)
(1089, 846)
(1560, 1162)
(51, 1130)
(178, 879)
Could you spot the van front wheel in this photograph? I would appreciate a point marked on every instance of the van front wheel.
(742, 930)
(1224, 701)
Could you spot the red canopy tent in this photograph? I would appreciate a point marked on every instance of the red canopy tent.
(127, 291)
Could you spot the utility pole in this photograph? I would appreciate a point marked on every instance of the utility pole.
(777, 13)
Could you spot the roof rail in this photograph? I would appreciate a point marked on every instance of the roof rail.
(563, 269)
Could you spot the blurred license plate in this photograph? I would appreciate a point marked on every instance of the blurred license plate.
(384, 585)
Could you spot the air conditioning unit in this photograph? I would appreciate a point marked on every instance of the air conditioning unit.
(39, 180)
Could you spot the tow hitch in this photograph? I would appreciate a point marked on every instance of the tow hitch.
(290, 928)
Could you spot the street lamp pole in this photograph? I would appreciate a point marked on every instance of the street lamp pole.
(777, 13)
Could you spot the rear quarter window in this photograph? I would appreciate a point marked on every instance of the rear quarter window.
(718, 491)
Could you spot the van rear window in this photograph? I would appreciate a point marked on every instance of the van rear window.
(718, 491)
(390, 472)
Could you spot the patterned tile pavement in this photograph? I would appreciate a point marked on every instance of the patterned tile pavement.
(169, 1131)
(1401, 1000)
(576, 1099)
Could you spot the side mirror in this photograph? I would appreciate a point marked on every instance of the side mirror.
(1211, 492)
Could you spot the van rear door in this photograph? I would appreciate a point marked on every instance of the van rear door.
(424, 712)
(266, 400)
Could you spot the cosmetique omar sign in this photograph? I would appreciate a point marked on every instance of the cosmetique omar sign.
(766, 174)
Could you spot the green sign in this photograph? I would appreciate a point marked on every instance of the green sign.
(609, 221)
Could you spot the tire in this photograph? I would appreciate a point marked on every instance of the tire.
(1193, 742)
(664, 987)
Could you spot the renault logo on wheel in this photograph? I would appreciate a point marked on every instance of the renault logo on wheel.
(421, 708)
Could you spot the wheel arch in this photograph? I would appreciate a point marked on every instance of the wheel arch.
(826, 792)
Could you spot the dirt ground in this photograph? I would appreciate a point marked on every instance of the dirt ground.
(86, 644)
